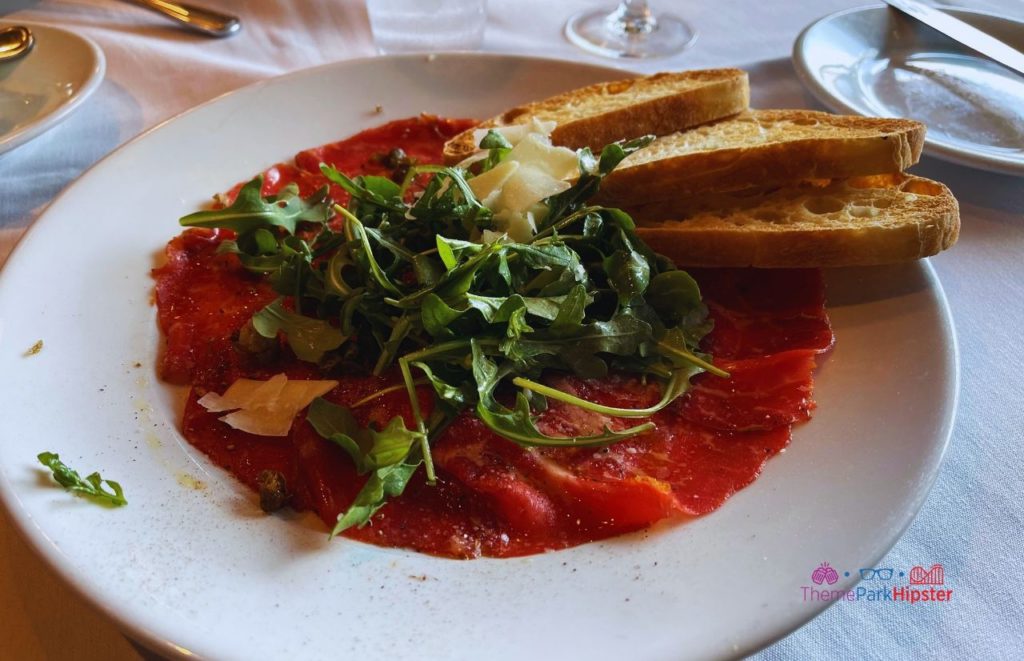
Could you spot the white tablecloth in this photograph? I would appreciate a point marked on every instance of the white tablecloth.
(973, 521)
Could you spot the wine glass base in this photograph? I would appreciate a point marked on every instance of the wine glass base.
(593, 31)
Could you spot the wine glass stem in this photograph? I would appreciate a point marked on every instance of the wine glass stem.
(632, 17)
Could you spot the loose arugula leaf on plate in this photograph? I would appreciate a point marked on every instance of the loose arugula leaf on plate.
(103, 492)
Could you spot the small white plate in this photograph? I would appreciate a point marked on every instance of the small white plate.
(202, 572)
(39, 90)
(875, 61)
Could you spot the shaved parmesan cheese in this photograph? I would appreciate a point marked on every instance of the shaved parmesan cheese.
(490, 236)
(244, 393)
(531, 172)
(265, 408)
(518, 226)
(514, 133)
(537, 150)
(527, 186)
(488, 185)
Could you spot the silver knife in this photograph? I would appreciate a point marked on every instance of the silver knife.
(967, 35)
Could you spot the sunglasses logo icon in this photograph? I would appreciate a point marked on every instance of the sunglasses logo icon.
(870, 574)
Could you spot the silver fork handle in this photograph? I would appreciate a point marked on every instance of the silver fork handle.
(207, 21)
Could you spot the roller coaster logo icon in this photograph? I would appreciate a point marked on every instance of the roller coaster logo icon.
(921, 576)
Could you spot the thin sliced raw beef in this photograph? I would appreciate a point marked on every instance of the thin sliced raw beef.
(778, 310)
(493, 497)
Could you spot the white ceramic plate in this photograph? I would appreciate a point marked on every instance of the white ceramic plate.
(875, 61)
(40, 89)
(201, 571)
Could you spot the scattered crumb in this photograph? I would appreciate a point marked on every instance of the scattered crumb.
(186, 480)
(34, 349)
(418, 577)
(137, 364)
(378, 109)
(431, 57)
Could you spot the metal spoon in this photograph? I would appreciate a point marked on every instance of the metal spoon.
(15, 41)
(207, 21)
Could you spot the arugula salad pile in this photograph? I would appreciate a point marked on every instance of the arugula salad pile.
(429, 286)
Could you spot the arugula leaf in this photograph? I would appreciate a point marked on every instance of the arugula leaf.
(495, 140)
(622, 335)
(92, 486)
(517, 324)
(592, 171)
(628, 274)
(309, 338)
(675, 345)
(372, 191)
(446, 204)
(572, 311)
(455, 282)
(675, 387)
(452, 251)
(399, 332)
(616, 152)
(262, 252)
(455, 398)
(384, 483)
(369, 448)
(436, 315)
(518, 423)
(497, 146)
(385, 454)
(251, 211)
(363, 252)
(427, 272)
(675, 296)
(497, 309)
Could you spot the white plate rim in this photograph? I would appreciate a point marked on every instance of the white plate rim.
(937, 148)
(33, 130)
(36, 537)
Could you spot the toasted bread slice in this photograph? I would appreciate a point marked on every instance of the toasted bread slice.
(599, 114)
(764, 148)
(852, 222)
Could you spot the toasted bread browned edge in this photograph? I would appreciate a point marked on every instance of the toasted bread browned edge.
(897, 147)
(726, 92)
(935, 226)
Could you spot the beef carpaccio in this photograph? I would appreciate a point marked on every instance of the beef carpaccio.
(494, 497)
